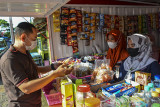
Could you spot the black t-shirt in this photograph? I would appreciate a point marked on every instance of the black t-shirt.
(15, 68)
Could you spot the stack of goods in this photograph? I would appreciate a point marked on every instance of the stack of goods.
(130, 25)
(56, 21)
(144, 24)
(72, 29)
(113, 22)
(79, 21)
(118, 21)
(101, 22)
(93, 26)
(97, 20)
(71, 24)
(64, 24)
(86, 28)
(86, 21)
(107, 24)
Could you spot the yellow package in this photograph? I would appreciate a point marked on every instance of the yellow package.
(142, 78)
(67, 93)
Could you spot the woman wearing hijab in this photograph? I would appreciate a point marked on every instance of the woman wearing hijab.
(139, 48)
(117, 48)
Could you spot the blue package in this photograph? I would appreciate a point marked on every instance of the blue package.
(113, 87)
(115, 90)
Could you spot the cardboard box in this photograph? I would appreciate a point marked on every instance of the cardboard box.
(67, 93)
(142, 78)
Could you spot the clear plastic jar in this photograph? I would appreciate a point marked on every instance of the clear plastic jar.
(92, 102)
(83, 91)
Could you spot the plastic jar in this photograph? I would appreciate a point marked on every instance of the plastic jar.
(83, 91)
(92, 102)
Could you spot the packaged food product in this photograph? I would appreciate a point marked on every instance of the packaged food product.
(67, 93)
(65, 11)
(142, 78)
(137, 101)
(123, 101)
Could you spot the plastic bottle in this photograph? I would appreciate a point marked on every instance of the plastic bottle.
(151, 87)
(157, 81)
(147, 94)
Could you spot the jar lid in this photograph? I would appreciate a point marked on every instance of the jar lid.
(158, 90)
(157, 77)
(146, 88)
(151, 85)
(92, 101)
(83, 88)
(155, 94)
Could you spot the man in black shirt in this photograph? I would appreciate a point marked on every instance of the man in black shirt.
(19, 72)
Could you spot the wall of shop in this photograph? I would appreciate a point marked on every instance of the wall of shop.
(61, 51)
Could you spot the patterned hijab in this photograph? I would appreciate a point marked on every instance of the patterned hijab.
(139, 62)
(119, 53)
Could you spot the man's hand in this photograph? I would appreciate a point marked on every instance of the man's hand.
(56, 65)
(63, 70)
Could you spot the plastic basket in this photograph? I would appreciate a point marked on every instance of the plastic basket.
(88, 77)
(52, 99)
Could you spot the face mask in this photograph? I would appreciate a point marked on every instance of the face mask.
(112, 45)
(33, 45)
(133, 51)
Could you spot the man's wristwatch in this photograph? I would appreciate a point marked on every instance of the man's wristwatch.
(52, 67)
